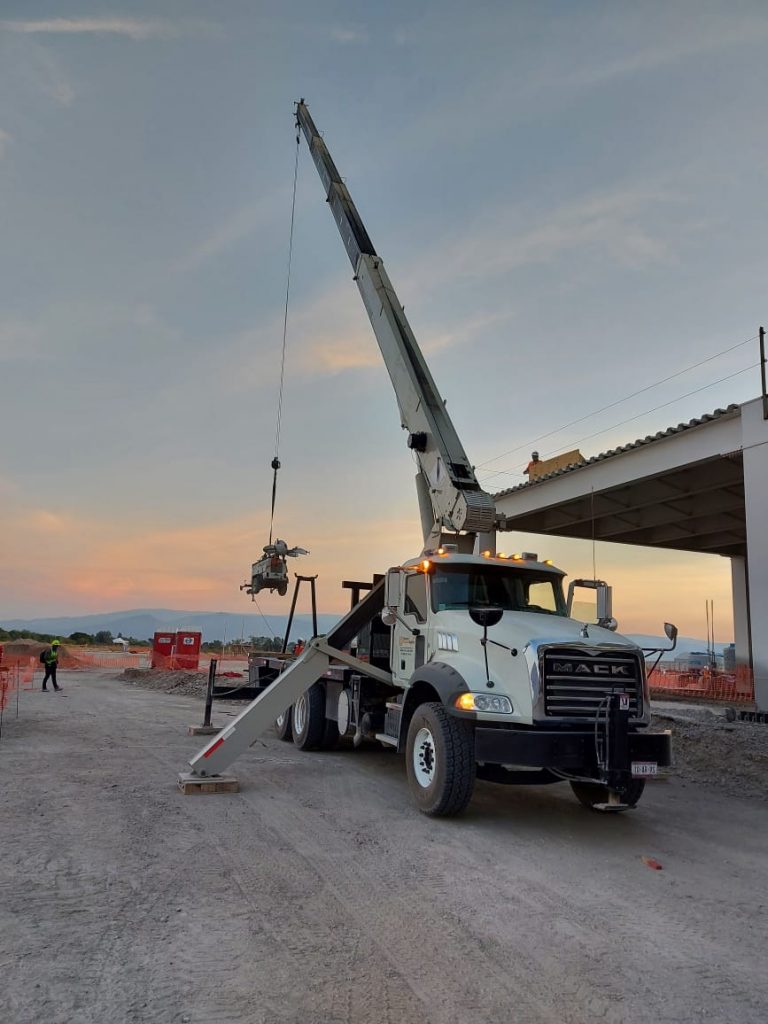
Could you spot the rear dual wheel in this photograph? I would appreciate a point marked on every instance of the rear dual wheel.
(311, 729)
(283, 726)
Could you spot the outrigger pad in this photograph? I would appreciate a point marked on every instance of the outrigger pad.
(189, 783)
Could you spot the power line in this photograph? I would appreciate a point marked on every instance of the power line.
(612, 405)
(639, 415)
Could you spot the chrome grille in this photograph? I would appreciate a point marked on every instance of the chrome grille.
(577, 682)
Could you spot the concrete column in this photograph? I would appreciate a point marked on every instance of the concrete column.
(740, 610)
(755, 445)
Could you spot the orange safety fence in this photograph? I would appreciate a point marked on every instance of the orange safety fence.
(193, 663)
(14, 677)
(82, 658)
(735, 687)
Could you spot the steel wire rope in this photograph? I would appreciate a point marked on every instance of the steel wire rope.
(630, 419)
(279, 419)
(611, 405)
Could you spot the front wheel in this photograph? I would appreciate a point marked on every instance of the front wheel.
(596, 797)
(440, 760)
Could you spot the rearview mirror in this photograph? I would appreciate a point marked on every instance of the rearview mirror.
(392, 588)
(670, 631)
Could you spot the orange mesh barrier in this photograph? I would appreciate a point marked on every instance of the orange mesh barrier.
(10, 684)
(736, 687)
(82, 658)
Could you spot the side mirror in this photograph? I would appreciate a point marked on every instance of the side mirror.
(671, 633)
(389, 616)
(486, 617)
(604, 603)
(392, 589)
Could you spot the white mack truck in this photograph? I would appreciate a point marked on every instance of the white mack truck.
(465, 660)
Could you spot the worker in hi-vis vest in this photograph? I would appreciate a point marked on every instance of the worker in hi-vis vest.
(50, 658)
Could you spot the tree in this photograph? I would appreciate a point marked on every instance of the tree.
(80, 638)
(103, 637)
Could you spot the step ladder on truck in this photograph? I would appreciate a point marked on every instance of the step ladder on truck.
(476, 667)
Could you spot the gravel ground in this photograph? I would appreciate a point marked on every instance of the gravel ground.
(317, 895)
(183, 684)
(728, 757)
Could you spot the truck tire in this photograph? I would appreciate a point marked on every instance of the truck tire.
(440, 760)
(592, 793)
(308, 718)
(283, 726)
(330, 738)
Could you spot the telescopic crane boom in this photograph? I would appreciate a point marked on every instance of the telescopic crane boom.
(451, 500)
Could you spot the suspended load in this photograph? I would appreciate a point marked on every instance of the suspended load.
(271, 571)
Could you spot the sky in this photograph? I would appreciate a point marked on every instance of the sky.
(569, 198)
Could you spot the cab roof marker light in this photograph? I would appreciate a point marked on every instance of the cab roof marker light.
(548, 561)
(502, 554)
(486, 554)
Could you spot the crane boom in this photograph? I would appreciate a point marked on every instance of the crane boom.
(450, 498)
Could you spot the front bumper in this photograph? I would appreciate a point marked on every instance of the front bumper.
(571, 751)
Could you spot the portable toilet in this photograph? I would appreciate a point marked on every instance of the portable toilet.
(187, 650)
(162, 650)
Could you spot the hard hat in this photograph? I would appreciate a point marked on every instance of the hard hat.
(299, 640)
(55, 643)
(534, 455)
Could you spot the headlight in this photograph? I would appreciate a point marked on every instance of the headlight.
(484, 702)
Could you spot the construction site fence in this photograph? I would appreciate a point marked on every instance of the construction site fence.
(14, 678)
(737, 687)
(83, 659)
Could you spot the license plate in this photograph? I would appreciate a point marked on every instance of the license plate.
(642, 769)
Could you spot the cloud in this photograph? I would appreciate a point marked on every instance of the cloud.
(696, 41)
(623, 226)
(133, 28)
(241, 224)
(349, 35)
(19, 340)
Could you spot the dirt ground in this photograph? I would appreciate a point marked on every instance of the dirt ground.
(318, 895)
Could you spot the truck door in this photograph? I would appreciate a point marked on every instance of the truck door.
(408, 639)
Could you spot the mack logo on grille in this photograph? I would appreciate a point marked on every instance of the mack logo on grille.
(587, 668)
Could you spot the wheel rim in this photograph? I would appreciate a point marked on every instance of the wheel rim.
(424, 757)
(300, 713)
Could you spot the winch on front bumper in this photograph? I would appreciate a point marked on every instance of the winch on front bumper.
(607, 750)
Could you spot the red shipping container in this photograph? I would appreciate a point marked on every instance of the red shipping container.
(187, 651)
(162, 649)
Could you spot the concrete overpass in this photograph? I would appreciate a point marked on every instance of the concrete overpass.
(698, 486)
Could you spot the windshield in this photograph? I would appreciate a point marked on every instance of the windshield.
(465, 586)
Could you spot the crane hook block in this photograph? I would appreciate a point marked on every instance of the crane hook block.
(275, 463)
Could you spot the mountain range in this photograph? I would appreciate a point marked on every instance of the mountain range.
(141, 623)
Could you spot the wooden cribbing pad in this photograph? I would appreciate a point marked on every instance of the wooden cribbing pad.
(189, 783)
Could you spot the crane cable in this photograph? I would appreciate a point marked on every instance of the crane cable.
(275, 464)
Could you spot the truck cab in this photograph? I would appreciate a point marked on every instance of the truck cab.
(490, 663)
